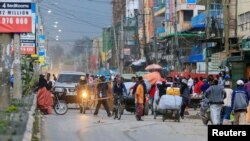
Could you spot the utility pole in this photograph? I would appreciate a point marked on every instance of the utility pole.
(207, 34)
(236, 15)
(116, 47)
(122, 45)
(137, 33)
(155, 39)
(175, 32)
(226, 25)
(144, 31)
(17, 68)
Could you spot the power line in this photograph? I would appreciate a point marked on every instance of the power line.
(73, 17)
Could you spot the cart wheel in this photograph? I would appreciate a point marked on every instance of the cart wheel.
(163, 118)
(81, 110)
(84, 110)
(177, 116)
(155, 114)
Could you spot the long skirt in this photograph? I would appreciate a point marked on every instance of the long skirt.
(139, 110)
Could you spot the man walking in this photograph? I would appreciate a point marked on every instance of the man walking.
(102, 89)
(240, 100)
(216, 96)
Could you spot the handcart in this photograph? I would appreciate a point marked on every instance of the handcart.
(169, 107)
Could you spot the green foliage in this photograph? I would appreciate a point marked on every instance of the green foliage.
(28, 78)
(3, 126)
(11, 109)
(36, 127)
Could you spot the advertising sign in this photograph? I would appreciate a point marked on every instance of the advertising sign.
(167, 13)
(15, 17)
(191, 1)
(28, 43)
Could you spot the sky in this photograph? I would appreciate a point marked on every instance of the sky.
(69, 20)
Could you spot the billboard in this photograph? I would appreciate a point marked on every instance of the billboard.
(27, 43)
(15, 16)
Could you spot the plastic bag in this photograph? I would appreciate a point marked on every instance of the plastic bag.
(170, 102)
(248, 114)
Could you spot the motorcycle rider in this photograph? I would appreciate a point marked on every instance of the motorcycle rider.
(82, 85)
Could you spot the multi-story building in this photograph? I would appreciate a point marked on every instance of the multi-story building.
(174, 22)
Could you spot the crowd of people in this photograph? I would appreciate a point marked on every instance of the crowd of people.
(222, 99)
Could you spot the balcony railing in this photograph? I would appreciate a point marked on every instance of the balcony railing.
(246, 44)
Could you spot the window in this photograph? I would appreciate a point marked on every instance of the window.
(188, 14)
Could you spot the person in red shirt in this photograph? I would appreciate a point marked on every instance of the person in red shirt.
(151, 96)
(197, 86)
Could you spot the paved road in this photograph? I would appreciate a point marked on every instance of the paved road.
(78, 127)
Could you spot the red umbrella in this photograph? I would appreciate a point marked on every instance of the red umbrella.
(154, 67)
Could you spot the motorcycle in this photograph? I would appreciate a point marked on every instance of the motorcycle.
(84, 102)
(205, 111)
(60, 106)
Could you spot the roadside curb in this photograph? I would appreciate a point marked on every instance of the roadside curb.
(29, 127)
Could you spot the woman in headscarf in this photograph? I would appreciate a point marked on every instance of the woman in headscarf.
(44, 96)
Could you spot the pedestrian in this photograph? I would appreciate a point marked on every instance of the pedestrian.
(102, 89)
(54, 77)
(184, 90)
(197, 86)
(227, 103)
(216, 96)
(139, 94)
(151, 97)
(44, 96)
(190, 82)
(11, 80)
(119, 91)
(240, 101)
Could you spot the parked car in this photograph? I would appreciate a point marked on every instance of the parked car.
(65, 86)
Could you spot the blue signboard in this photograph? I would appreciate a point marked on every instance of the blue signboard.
(196, 58)
(41, 52)
(191, 1)
(33, 7)
(167, 13)
(41, 37)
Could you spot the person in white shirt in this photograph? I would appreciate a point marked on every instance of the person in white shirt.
(190, 82)
(227, 103)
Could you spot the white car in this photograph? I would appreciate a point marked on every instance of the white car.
(65, 85)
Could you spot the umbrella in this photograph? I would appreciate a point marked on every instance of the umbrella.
(154, 67)
(153, 77)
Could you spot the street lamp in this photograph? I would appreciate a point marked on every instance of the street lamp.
(49, 11)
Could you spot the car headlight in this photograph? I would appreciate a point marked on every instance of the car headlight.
(84, 94)
(60, 90)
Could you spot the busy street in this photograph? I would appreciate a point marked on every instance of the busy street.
(124, 70)
(86, 127)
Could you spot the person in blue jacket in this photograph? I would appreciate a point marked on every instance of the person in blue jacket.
(240, 101)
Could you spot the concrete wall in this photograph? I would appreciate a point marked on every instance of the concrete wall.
(243, 7)
(5, 39)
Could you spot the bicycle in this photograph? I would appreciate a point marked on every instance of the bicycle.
(118, 110)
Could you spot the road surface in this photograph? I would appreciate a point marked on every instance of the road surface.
(79, 127)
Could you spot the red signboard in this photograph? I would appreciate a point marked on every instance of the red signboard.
(15, 17)
(15, 24)
(28, 50)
